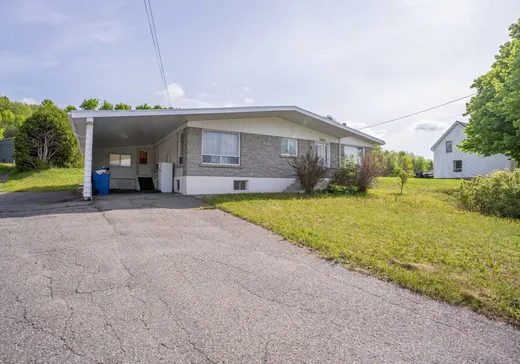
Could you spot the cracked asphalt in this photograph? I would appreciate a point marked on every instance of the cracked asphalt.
(154, 279)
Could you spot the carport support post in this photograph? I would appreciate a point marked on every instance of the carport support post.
(87, 177)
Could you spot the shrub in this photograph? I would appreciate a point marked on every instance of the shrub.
(309, 171)
(496, 194)
(369, 169)
(355, 178)
(346, 174)
(402, 177)
(46, 139)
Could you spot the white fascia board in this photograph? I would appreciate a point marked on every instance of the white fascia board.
(221, 110)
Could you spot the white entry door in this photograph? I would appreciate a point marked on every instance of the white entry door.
(143, 169)
(322, 151)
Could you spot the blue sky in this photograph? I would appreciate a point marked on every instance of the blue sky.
(361, 61)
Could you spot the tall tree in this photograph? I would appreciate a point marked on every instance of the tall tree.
(89, 104)
(145, 106)
(122, 106)
(158, 107)
(70, 108)
(494, 112)
(106, 106)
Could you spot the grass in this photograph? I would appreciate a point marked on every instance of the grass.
(6, 167)
(419, 240)
(54, 179)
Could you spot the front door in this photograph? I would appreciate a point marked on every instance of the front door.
(143, 169)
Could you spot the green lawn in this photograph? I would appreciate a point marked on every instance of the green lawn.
(54, 179)
(419, 240)
(6, 167)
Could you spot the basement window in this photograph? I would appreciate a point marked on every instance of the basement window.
(120, 160)
(240, 185)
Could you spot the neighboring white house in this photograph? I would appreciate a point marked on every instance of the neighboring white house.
(451, 162)
(221, 150)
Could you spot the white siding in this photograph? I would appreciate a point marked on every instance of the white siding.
(122, 177)
(358, 142)
(264, 126)
(472, 164)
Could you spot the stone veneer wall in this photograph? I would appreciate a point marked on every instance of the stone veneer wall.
(260, 156)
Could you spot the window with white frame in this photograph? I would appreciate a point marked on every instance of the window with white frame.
(322, 151)
(289, 147)
(449, 146)
(356, 152)
(240, 185)
(457, 166)
(180, 146)
(119, 160)
(220, 148)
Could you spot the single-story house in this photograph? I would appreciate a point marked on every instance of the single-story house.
(213, 150)
(6, 150)
(451, 162)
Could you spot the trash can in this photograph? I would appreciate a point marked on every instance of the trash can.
(101, 181)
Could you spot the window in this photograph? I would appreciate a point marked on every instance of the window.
(178, 184)
(240, 185)
(457, 166)
(322, 151)
(220, 148)
(449, 146)
(180, 144)
(143, 157)
(289, 147)
(357, 152)
(121, 160)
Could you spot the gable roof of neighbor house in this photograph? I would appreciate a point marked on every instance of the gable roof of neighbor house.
(447, 132)
(291, 113)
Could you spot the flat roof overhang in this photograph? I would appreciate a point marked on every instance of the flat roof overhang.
(114, 128)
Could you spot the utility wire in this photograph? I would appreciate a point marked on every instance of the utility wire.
(155, 40)
(434, 107)
(419, 112)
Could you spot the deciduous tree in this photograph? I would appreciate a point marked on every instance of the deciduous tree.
(89, 104)
(122, 106)
(494, 112)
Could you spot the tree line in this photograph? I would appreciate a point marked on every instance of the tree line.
(407, 161)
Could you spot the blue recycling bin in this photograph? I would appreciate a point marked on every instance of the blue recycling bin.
(101, 183)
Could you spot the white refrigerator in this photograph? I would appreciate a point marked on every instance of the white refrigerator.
(165, 177)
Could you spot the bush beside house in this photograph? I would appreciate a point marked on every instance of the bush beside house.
(45, 140)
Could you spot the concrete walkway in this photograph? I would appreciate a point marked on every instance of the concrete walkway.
(154, 279)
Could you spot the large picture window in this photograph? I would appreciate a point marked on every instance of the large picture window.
(357, 152)
(220, 148)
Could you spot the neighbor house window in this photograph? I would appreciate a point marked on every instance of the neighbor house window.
(180, 144)
(356, 152)
(289, 147)
(120, 160)
(322, 151)
(220, 148)
(457, 166)
(143, 157)
(449, 147)
(240, 185)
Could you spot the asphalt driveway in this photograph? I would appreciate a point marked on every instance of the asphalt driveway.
(153, 278)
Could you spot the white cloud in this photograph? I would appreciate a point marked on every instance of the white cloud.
(30, 100)
(180, 99)
(246, 88)
(431, 125)
(248, 100)
(17, 63)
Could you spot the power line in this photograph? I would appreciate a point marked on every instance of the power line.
(155, 40)
(434, 107)
(419, 112)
